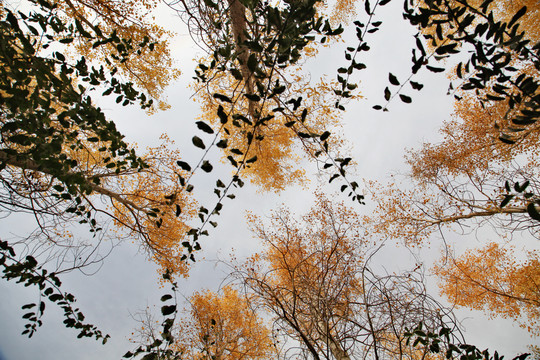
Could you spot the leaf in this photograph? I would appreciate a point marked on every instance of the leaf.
(450, 48)
(387, 94)
(252, 63)
(168, 309)
(184, 165)
(406, 99)
(222, 115)
(222, 97)
(206, 166)
(434, 69)
(253, 97)
(324, 136)
(166, 297)
(516, 17)
(393, 79)
(236, 74)
(150, 356)
(204, 127)
(416, 86)
(506, 200)
(533, 212)
(197, 141)
(333, 177)
(222, 144)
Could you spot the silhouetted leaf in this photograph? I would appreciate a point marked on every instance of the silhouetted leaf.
(197, 141)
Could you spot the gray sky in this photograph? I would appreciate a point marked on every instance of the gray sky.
(127, 281)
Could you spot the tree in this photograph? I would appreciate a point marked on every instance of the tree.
(222, 326)
(491, 279)
(252, 75)
(151, 67)
(212, 326)
(466, 180)
(60, 157)
(313, 278)
(65, 163)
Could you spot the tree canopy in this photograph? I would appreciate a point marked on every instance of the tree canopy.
(64, 163)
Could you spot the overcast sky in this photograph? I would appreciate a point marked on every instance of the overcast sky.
(127, 282)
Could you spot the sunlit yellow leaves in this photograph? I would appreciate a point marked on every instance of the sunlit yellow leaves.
(324, 249)
(494, 280)
(308, 276)
(146, 207)
(133, 20)
(223, 326)
(276, 146)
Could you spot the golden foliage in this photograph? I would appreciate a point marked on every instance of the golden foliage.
(494, 280)
(276, 146)
(460, 178)
(471, 142)
(308, 274)
(459, 182)
(223, 327)
(156, 189)
(313, 278)
(133, 20)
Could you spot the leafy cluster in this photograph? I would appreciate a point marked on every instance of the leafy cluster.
(30, 273)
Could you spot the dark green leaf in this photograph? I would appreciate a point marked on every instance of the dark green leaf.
(434, 69)
(168, 309)
(324, 136)
(166, 297)
(516, 17)
(222, 115)
(506, 200)
(533, 212)
(387, 94)
(405, 98)
(206, 166)
(184, 165)
(222, 98)
(252, 63)
(205, 127)
(222, 144)
(393, 79)
(416, 86)
(253, 97)
(197, 141)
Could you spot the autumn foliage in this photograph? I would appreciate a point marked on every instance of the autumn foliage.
(494, 280)
(470, 181)
(223, 326)
(151, 68)
(314, 280)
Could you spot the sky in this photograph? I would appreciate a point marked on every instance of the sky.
(126, 283)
